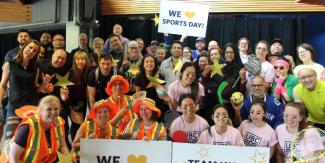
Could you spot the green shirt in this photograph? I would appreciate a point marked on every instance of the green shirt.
(290, 82)
(314, 101)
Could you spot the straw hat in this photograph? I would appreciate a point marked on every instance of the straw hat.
(98, 105)
(149, 103)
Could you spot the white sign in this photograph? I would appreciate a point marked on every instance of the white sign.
(124, 151)
(183, 18)
(201, 153)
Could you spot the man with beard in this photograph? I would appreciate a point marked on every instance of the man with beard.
(117, 30)
(83, 45)
(199, 45)
(46, 41)
(22, 38)
(274, 114)
(170, 67)
(117, 50)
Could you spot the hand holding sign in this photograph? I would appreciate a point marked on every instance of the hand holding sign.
(179, 17)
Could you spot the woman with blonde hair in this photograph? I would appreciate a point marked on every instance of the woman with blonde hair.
(40, 136)
(75, 96)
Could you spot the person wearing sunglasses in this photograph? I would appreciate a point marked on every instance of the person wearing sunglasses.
(284, 81)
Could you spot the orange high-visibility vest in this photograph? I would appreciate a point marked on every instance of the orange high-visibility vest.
(92, 127)
(114, 108)
(37, 149)
(156, 131)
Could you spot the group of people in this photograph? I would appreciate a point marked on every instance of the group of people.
(131, 90)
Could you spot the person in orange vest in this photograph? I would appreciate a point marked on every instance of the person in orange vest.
(39, 137)
(97, 127)
(120, 105)
(146, 126)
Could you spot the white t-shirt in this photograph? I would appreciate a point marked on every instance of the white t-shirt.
(231, 137)
(193, 129)
(257, 136)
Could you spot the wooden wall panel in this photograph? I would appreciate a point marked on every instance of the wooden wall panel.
(122, 7)
(15, 12)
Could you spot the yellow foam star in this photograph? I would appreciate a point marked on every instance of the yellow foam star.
(258, 157)
(65, 158)
(63, 81)
(178, 66)
(216, 69)
(133, 69)
(156, 20)
(115, 61)
(154, 80)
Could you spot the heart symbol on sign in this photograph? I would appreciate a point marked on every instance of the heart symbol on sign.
(189, 14)
(139, 159)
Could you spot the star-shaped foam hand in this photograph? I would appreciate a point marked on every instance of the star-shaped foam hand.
(178, 66)
(115, 61)
(65, 158)
(156, 20)
(216, 69)
(63, 81)
(154, 80)
(133, 69)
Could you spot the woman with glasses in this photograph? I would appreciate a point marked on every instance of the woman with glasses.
(284, 81)
(307, 56)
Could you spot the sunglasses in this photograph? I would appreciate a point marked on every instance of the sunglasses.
(279, 67)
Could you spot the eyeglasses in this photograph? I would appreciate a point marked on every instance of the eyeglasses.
(302, 51)
(279, 67)
(229, 52)
(133, 47)
(304, 78)
(257, 85)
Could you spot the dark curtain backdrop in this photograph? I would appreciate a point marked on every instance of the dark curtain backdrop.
(221, 27)
(9, 40)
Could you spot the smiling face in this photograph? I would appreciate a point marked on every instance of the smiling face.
(243, 45)
(30, 50)
(307, 78)
(188, 76)
(22, 38)
(257, 113)
(203, 61)
(188, 107)
(276, 48)
(220, 117)
(176, 50)
(280, 69)
(215, 55)
(292, 117)
(145, 113)
(229, 54)
(304, 55)
(58, 59)
(161, 54)
(149, 64)
(49, 112)
(117, 87)
(102, 115)
(261, 51)
(81, 62)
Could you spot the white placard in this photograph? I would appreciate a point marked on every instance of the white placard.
(199, 153)
(183, 17)
(124, 151)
